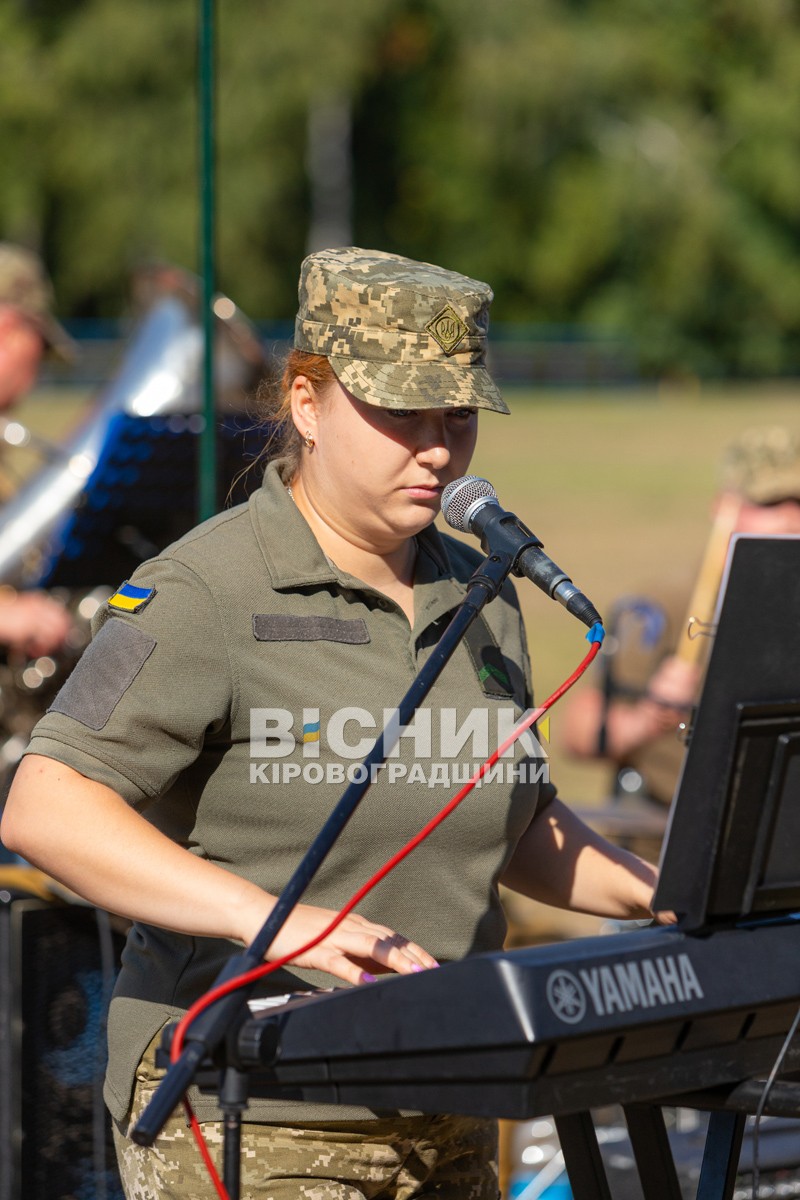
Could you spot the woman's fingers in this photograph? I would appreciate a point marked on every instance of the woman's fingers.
(355, 951)
(393, 950)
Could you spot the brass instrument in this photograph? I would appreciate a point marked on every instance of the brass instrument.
(158, 380)
(91, 512)
(699, 617)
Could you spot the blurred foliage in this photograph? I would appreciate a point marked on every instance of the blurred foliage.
(623, 164)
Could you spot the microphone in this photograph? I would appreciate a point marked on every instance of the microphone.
(470, 505)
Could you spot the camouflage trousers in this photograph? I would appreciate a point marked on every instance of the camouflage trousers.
(448, 1157)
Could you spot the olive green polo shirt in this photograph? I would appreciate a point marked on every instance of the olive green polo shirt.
(235, 705)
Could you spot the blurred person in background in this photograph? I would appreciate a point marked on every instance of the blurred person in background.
(649, 681)
(31, 623)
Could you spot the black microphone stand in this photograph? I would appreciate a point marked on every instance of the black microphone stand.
(222, 1019)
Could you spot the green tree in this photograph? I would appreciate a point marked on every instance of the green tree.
(627, 165)
(623, 164)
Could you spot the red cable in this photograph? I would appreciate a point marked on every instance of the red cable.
(197, 1133)
(209, 998)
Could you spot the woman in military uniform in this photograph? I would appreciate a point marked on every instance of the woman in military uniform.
(234, 682)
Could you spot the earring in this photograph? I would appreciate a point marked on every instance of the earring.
(308, 440)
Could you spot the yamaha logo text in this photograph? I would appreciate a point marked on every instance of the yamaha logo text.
(623, 987)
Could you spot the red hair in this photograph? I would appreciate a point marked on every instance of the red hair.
(275, 401)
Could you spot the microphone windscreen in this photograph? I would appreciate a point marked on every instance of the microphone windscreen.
(459, 498)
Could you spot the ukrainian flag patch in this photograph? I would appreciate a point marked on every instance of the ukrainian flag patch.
(131, 599)
(311, 732)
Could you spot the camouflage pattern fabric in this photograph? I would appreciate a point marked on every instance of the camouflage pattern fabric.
(451, 1158)
(763, 465)
(24, 286)
(398, 333)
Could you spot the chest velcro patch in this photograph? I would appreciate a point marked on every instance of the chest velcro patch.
(490, 666)
(105, 671)
(276, 627)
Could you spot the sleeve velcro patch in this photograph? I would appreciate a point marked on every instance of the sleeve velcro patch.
(275, 627)
(105, 671)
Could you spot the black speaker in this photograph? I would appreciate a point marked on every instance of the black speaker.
(57, 969)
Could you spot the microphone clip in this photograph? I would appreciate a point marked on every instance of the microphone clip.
(489, 577)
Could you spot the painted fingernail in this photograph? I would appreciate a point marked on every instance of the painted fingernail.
(417, 967)
(367, 978)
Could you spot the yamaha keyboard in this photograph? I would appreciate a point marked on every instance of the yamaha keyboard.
(633, 1017)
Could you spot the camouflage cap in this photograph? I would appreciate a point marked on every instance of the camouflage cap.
(763, 465)
(24, 285)
(398, 333)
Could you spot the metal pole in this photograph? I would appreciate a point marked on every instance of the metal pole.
(207, 464)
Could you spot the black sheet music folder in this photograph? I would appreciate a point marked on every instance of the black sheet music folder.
(732, 849)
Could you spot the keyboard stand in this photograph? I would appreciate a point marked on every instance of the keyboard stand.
(652, 1152)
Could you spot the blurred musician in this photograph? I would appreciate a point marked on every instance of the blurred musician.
(31, 623)
(652, 679)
